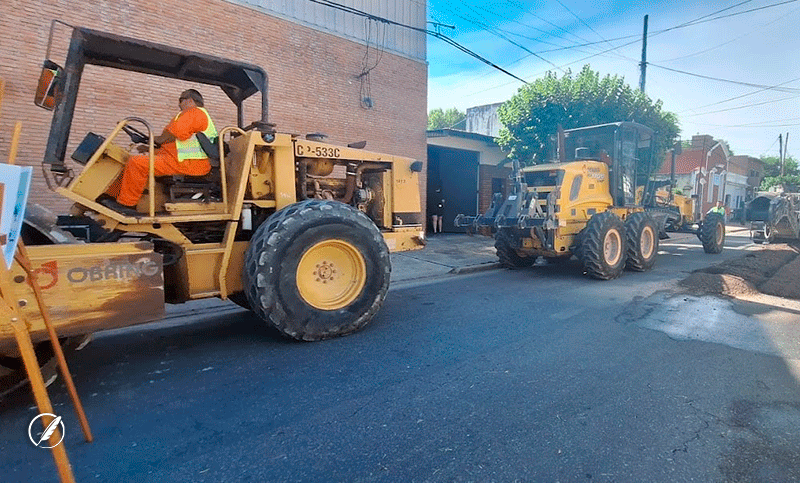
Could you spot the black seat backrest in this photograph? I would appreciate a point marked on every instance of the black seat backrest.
(211, 148)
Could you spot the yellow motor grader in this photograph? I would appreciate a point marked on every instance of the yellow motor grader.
(583, 203)
(295, 229)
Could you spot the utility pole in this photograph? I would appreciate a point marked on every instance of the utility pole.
(785, 152)
(780, 151)
(643, 63)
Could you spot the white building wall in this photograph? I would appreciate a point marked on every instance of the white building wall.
(484, 120)
(378, 35)
(736, 187)
(488, 153)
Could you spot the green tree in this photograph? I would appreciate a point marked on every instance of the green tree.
(772, 166)
(534, 113)
(772, 173)
(451, 118)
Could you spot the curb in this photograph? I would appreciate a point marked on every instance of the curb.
(476, 268)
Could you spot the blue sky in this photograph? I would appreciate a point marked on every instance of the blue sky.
(761, 47)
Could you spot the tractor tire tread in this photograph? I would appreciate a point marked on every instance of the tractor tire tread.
(590, 250)
(634, 225)
(509, 258)
(708, 233)
(263, 276)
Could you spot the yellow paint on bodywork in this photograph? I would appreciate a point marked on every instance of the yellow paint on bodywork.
(89, 287)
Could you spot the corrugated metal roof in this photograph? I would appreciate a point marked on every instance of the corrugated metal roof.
(440, 133)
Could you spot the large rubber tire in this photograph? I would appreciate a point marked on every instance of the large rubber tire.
(642, 240)
(712, 233)
(509, 257)
(602, 249)
(769, 234)
(294, 255)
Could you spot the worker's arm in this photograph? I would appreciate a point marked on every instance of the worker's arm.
(160, 140)
(164, 137)
(187, 124)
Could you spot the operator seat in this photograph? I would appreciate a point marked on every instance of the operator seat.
(206, 188)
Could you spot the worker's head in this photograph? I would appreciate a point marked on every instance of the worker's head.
(719, 203)
(190, 98)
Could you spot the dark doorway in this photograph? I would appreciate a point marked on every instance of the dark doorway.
(453, 183)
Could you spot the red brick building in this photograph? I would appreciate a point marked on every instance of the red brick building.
(700, 171)
(329, 71)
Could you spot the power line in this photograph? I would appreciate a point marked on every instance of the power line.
(747, 84)
(438, 35)
(730, 41)
(771, 145)
(498, 34)
(748, 126)
(702, 19)
(763, 7)
(744, 106)
(739, 97)
(545, 32)
(699, 19)
(542, 19)
(581, 20)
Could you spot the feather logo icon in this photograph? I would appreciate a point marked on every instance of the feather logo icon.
(43, 440)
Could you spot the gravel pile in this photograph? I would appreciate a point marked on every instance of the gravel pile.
(773, 270)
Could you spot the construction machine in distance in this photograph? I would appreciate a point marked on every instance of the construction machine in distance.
(774, 217)
(584, 202)
(295, 229)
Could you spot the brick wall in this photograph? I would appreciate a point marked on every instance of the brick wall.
(487, 172)
(312, 76)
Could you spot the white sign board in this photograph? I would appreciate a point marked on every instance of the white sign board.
(16, 182)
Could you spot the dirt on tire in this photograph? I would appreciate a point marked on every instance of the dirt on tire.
(773, 270)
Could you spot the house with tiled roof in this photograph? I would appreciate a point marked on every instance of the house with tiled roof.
(702, 171)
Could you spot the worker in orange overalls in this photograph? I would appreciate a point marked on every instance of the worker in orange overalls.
(179, 153)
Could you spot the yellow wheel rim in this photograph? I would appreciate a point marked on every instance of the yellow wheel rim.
(612, 247)
(647, 242)
(331, 275)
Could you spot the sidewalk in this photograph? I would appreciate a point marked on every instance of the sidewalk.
(445, 253)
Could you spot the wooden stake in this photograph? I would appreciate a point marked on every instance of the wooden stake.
(22, 259)
(12, 153)
(9, 312)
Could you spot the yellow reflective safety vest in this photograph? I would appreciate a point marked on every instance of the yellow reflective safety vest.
(720, 210)
(191, 149)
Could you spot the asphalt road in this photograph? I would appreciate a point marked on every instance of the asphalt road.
(530, 375)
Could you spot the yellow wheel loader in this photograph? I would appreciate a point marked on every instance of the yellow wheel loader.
(582, 202)
(296, 229)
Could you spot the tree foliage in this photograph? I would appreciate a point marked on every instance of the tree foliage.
(772, 173)
(534, 113)
(440, 119)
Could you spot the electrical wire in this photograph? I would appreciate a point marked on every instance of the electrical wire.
(438, 35)
(364, 77)
(771, 145)
(582, 21)
(763, 7)
(488, 29)
(702, 19)
(744, 106)
(738, 97)
(747, 84)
